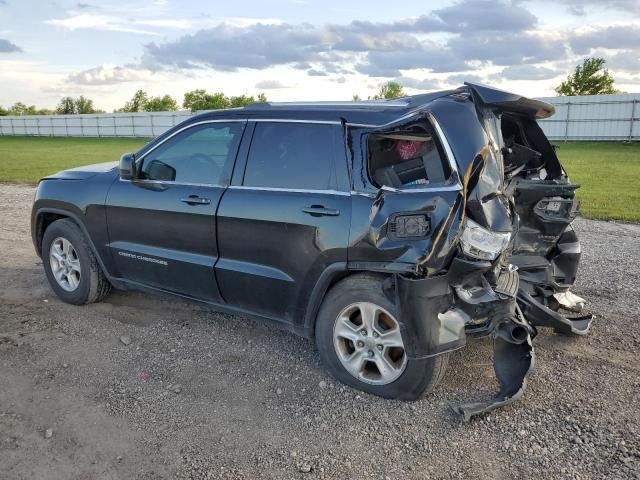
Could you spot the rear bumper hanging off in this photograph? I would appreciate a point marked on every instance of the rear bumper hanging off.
(542, 316)
(437, 313)
(513, 362)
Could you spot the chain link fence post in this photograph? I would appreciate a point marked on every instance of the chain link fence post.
(566, 126)
(633, 119)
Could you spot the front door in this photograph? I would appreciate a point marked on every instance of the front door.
(287, 219)
(162, 225)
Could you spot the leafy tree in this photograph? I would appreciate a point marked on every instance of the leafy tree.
(201, 100)
(241, 101)
(137, 103)
(193, 99)
(84, 105)
(356, 97)
(244, 100)
(20, 108)
(141, 102)
(388, 91)
(161, 104)
(590, 78)
(67, 106)
(70, 106)
(216, 101)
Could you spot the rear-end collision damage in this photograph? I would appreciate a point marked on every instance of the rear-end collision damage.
(491, 250)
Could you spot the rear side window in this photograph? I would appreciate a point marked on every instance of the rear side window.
(293, 155)
(407, 157)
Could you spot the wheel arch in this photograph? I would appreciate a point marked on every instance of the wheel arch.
(45, 216)
(334, 274)
(41, 222)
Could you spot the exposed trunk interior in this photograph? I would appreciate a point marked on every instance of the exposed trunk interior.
(527, 152)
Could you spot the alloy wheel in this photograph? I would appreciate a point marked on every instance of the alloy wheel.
(65, 264)
(368, 343)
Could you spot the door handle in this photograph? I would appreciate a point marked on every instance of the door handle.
(321, 211)
(195, 200)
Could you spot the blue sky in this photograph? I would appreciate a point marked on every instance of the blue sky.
(304, 49)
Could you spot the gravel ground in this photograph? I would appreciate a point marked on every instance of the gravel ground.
(143, 387)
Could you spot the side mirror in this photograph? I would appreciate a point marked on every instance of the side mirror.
(127, 166)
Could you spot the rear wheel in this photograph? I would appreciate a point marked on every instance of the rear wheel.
(358, 337)
(70, 265)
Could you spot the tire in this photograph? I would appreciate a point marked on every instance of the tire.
(88, 283)
(410, 379)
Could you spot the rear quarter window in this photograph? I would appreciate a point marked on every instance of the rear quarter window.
(408, 157)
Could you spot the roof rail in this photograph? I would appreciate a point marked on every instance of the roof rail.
(398, 103)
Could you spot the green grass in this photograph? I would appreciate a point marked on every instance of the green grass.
(609, 172)
(27, 159)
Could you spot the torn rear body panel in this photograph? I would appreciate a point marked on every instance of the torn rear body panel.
(470, 211)
(546, 248)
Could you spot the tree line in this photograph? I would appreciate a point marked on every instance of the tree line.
(194, 100)
(589, 78)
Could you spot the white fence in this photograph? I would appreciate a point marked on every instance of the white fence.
(144, 124)
(593, 117)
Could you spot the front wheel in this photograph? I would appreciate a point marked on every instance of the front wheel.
(70, 265)
(358, 337)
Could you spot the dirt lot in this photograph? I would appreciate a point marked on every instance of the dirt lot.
(198, 394)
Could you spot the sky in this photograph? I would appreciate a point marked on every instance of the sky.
(304, 49)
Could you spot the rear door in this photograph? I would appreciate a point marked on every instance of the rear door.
(285, 218)
(162, 229)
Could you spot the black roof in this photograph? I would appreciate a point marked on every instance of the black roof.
(380, 112)
(368, 112)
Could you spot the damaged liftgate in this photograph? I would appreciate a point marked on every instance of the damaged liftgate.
(515, 186)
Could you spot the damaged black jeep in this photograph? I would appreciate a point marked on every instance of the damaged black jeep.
(388, 231)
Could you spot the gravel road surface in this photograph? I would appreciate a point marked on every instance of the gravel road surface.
(144, 387)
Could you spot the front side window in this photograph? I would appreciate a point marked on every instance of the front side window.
(293, 155)
(201, 154)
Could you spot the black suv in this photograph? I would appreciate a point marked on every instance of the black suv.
(388, 231)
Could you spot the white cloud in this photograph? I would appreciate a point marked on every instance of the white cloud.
(580, 7)
(109, 75)
(525, 72)
(271, 84)
(419, 84)
(97, 22)
(116, 21)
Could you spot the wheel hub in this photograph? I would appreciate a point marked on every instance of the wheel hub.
(65, 264)
(368, 343)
